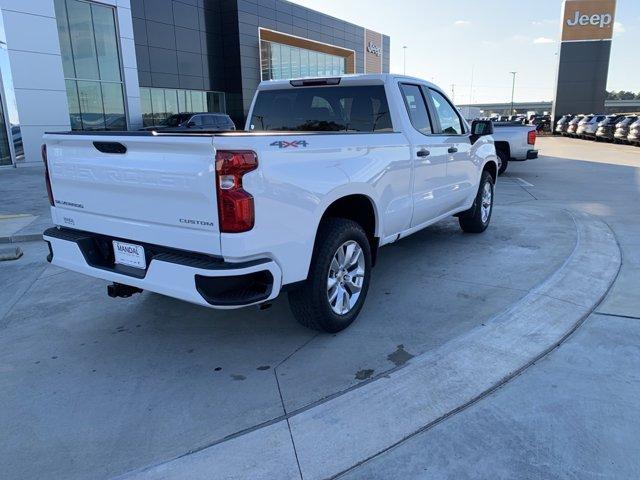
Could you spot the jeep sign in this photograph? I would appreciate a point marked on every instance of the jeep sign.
(373, 48)
(373, 51)
(601, 20)
(588, 20)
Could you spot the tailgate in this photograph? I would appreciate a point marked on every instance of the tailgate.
(160, 191)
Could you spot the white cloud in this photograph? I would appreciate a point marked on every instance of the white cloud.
(520, 38)
(618, 28)
(543, 40)
(462, 23)
(546, 21)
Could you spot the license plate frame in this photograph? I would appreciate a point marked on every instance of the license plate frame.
(129, 254)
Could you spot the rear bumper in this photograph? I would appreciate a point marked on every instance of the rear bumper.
(201, 279)
(531, 154)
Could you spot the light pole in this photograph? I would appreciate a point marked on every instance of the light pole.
(404, 56)
(513, 88)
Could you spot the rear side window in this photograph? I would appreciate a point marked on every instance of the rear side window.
(450, 123)
(322, 109)
(416, 107)
(208, 120)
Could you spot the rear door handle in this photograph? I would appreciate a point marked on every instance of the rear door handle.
(423, 153)
(452, 150)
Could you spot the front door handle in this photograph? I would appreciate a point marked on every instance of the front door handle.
(423, 153)
(452, 150)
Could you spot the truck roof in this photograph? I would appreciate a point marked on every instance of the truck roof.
(351, 79)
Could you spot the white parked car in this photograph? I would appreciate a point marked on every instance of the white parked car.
(327, 171)
(589, 125)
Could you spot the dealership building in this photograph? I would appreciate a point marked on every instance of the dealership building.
(125, 64)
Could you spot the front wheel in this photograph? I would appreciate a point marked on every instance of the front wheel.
(477, 218)
(333, 294)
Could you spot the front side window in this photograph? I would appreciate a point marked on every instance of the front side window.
(91, 64)
(322, 109)
(416, 107)
(450, 123)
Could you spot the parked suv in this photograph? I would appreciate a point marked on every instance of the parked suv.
(622, 129)
(563, 123)
(634, 133)
(588, 126)
(326, 171)
(607, 127)
(195, 121)
(573, 125)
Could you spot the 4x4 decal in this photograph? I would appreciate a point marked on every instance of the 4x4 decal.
(286, 144)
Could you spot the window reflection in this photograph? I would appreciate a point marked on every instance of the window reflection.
(113, 101)
(91, 63)
(92, 113)
(281, 61)
(11, 145)
(159, 103)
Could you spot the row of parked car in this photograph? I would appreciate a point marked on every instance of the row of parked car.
(541, 122)
(614, 128)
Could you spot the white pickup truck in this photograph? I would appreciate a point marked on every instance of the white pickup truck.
(326, 171)
(514, 141)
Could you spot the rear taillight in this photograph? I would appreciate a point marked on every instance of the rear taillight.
(235, 206)
(47, 178)
(531, 137)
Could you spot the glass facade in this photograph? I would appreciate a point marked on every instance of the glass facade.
(159, 103)
(5, 149)
(91, 63)
(11, 146)
(280, 61)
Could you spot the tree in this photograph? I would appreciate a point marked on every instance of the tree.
(622, 95)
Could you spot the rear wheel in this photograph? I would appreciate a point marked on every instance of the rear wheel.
(503, 161)
(333, 294)
(477, 218)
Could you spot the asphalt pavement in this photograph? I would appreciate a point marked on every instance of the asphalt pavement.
(150, 387)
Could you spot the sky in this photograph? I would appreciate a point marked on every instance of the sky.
(449, 41)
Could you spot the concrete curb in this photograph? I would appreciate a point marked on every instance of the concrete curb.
(338, 435)
(31, 237)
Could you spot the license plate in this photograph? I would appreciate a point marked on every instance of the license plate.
(129, 254)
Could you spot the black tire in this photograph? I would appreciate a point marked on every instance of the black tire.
(471, 220)
(310, 303)
(504, 161)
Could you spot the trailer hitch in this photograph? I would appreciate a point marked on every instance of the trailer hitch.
(116, 290)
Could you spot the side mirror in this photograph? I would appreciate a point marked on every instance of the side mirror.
(480, 128)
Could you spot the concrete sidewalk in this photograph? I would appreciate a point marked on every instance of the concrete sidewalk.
(24, 214)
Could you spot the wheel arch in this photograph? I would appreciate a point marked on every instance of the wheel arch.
(503, 146)
(358, 207)
(491, 166)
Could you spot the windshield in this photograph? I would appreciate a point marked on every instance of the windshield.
(175, 120)
(322, 109)
(627, 121)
